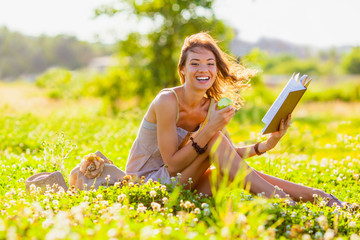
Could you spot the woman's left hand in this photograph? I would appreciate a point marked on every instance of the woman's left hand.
(276, 136)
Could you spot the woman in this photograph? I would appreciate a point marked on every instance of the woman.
(163, 148)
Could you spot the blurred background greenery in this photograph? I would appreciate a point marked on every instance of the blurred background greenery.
(130, 72)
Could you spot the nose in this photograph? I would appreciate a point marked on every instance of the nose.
(203, 68)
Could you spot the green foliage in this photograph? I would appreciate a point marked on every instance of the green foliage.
(281, 64)
(348, 91)
(57, 80)
(309, 66)
(351, 61)
(256, 59)
(22, 54)
(112, 86)
(153, 56)
(56, 152)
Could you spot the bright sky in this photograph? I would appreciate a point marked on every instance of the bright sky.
(321, 23)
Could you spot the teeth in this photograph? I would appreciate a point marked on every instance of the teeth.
(202, 78)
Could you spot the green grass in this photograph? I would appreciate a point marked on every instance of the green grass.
(320, 150)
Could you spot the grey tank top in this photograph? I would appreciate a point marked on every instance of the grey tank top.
(144, 158)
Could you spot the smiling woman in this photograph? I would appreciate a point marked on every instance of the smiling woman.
(182, 133)
(200, 67)
(231, 76)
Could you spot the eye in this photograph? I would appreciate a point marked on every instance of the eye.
(211, 64)
(194, 64)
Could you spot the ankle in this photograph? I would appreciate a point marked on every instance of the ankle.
(320, 194)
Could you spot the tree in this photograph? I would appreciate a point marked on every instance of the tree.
(351, 61)
(152, 58)
(20, 54)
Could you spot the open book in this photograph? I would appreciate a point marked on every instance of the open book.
(285, 102)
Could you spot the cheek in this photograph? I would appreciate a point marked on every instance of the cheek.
(214, 70)
(190, 70)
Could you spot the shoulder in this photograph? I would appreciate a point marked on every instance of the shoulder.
(165, 105)
(165, 99)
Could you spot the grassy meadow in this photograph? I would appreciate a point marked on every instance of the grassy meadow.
(40, 134)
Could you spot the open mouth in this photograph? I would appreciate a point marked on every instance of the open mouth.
(203, 79)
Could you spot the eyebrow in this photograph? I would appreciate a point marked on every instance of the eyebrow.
(195, 59)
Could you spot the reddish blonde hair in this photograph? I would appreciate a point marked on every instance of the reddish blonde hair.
(231, 76)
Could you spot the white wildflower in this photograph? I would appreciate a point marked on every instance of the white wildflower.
(323, 222)
(155, 206)
(352, 224)
(121, 197)
(55, 202)
(197, 211)
(204, 205)
(187, 204)
(141, 208)
(306, 237)
(113, 232)
(153, 193)
(354, 236)
(206, 211)
(329, 234)
(99, 197)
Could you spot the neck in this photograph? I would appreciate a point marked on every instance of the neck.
(192, 97)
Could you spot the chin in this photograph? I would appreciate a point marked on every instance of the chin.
(204, 87)
(206, 84)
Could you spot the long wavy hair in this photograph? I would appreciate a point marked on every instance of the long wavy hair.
(231, 77)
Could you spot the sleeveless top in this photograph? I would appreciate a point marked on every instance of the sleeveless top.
(145, 159)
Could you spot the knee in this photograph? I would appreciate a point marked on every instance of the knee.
(222, 149)
(218, 139)
(215, 137)
(219, 144)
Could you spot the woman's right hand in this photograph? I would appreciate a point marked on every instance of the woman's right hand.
(220, 118)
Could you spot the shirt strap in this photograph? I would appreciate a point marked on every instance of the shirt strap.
(177, 100)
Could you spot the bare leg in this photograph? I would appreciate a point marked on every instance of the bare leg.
(204, 185)
(195, 170)
(260, 182)
(229, 163)
(296, 191)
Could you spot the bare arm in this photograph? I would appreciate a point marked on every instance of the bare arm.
(270, 143)
(178, 159)
(249, 151)
(243, 151)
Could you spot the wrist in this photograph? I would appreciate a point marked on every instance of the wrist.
(199, 150)
(268, 145)
(258, 148)
(208, 131)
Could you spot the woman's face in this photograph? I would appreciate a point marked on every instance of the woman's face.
(200, 68)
